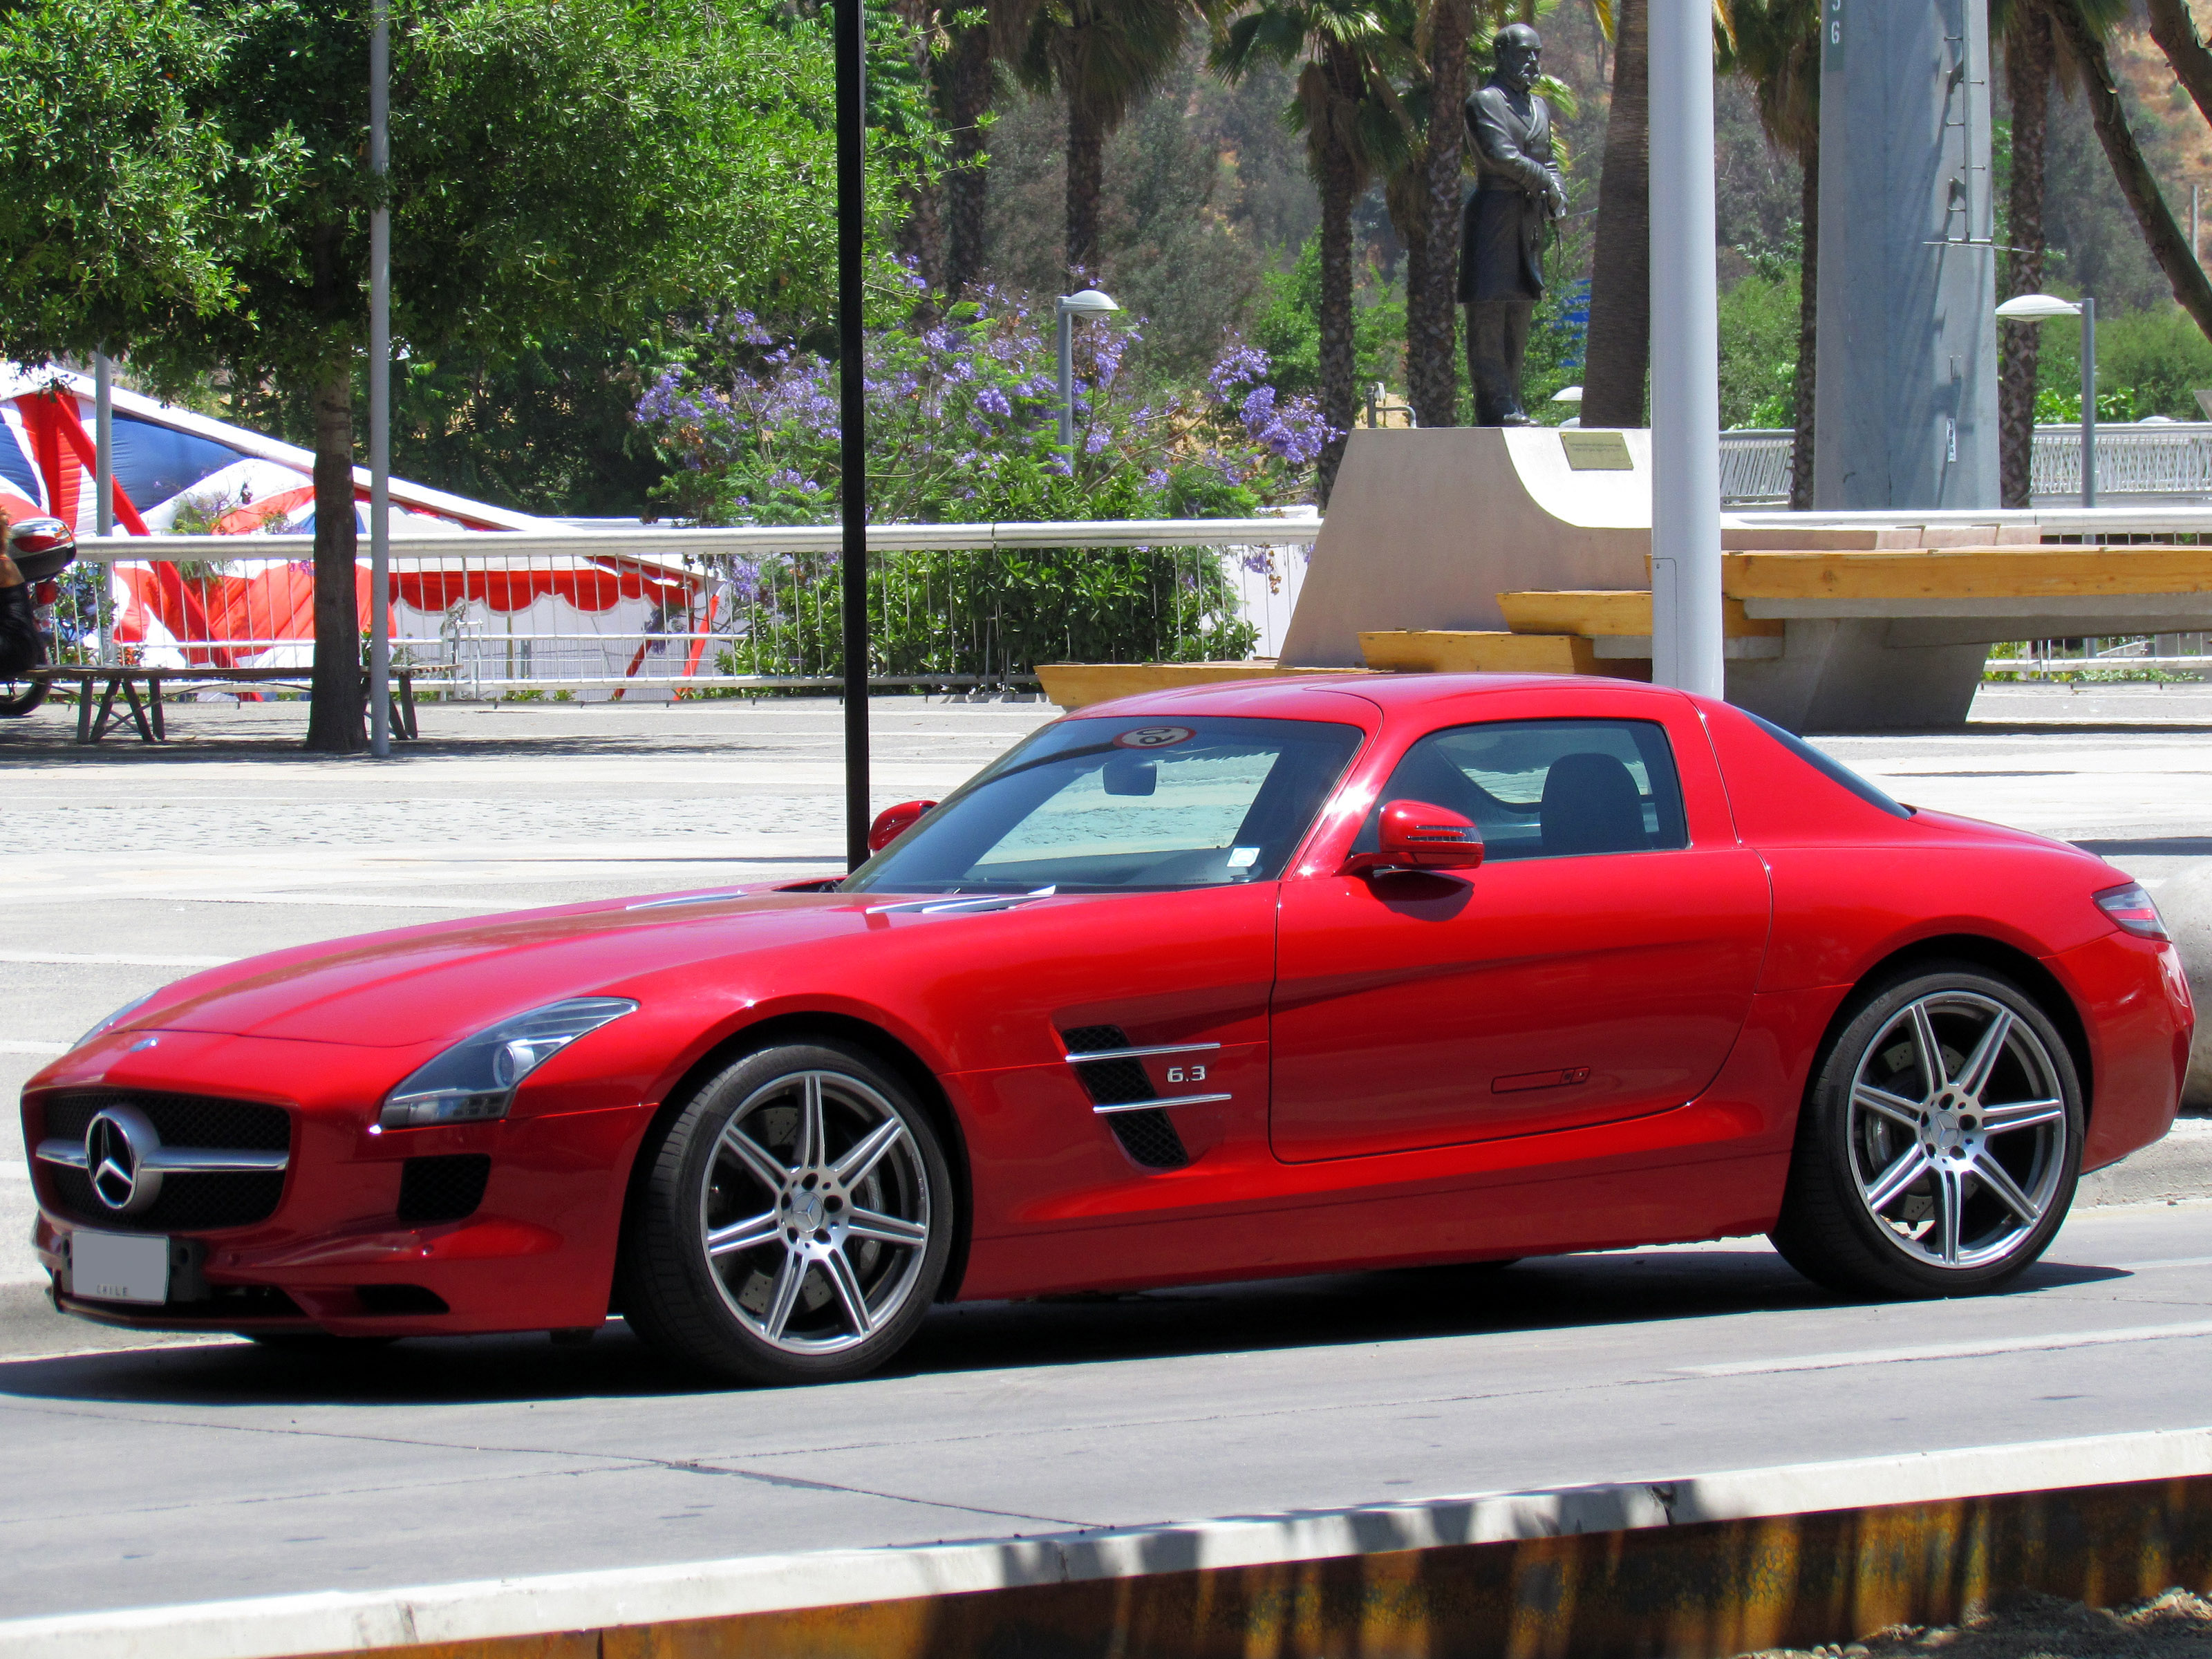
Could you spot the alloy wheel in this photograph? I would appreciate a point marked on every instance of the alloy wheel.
(1958, 1130)
(815, 1212)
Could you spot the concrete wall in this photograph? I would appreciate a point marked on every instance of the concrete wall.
(1906, 400)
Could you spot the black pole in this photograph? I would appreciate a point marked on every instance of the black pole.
(852, 416)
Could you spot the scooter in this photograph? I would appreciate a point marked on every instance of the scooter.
(42, 550)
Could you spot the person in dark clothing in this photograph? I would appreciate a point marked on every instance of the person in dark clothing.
(19, 629)
(1518, 195)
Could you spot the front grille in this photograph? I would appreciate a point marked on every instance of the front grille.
(188, 1203)
(399, 1299)
(180, 1119)
(1150, 1139)
(443, 1188)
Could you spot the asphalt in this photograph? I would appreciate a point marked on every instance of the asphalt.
(134, 1473)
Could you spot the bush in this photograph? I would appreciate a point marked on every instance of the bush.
(963, 428)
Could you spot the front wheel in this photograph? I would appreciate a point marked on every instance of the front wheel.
(1940, 1144)
(793, 1221)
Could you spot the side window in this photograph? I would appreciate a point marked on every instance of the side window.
(1547, 788)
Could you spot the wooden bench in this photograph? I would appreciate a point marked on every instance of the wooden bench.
(119, 679)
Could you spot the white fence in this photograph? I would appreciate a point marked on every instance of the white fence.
(645, 612)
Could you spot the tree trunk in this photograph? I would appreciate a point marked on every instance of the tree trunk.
(1431, 310)
(1808, 323)
(2175, 31)
(2169, 244)
(921, 240)
(968, 101)
(1619, 355)
(334, 717)
(1086, 170)
(1338, 366)
(2028, 58)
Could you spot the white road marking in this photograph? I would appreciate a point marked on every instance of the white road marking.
(1826, 1362)
(2169, 1261)
(109, 959)
(25, 1046)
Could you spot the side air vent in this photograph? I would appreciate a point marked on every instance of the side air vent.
(1149, 1137)
(443, 1188)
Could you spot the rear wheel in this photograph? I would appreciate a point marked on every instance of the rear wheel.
(1940, 1144)
(20, 695)
(793, 1222)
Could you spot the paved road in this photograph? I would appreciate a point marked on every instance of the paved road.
(163, 1475)
(141, 1474)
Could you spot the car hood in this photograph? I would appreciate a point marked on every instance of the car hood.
(413, 986)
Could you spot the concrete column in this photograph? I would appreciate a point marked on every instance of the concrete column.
(1907, 399)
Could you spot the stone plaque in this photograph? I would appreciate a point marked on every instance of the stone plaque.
(1596, 451)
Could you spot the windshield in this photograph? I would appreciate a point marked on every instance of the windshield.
(1102, 806)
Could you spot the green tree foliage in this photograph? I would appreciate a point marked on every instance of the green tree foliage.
(108, 176)
(557, 166)
(1286, 325)
(2149, 362)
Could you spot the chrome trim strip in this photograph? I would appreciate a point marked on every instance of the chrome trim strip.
(1139, 1053)
(686, 898)
(1164, 1099)
(215, 1160)
(928, 907)
(175, 1160)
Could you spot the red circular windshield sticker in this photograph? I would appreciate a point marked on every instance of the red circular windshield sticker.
(1154, 737)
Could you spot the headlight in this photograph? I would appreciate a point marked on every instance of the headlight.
(477, 1080)
(113, 1019)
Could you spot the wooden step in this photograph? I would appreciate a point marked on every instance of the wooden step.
(1458, 651)
(1077, 684)
(1597, 614)
(1969, 573)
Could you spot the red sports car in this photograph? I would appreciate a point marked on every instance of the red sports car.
(1247, 980)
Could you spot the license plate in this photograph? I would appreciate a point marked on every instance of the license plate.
(118, 1266)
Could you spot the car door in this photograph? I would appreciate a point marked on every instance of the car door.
(1596, 967)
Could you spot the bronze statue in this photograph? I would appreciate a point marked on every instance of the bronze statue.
(1517, 194)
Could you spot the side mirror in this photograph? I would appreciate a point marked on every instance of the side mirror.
(1416, 835)
(895, 821)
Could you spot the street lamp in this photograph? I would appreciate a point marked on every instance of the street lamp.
(1089, 303)
(2041, 308)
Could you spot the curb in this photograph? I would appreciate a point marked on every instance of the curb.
(1924, 1533)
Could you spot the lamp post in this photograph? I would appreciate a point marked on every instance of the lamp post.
(380, 389)
(2041, 308)
(1687, 643)
(848, 40)
(1089, 303)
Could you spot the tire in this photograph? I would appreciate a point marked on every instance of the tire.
(792, 1222)
(1904, 1184)
(18, 697)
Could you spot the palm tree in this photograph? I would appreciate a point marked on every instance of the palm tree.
(1776, 46)
(1356, 126)
(964, 85)
(1424, 198)
(1102, 56)
(1619, 349)
(2081, 27)
(2029, 57)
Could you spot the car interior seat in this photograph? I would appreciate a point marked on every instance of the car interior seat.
(1591, 806)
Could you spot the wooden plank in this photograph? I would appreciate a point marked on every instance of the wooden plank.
(1969, 573)
(1077, 684)
(1611, 614)
(1451, 650)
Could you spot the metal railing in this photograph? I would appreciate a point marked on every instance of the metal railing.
(2142, 459)
(656, 611)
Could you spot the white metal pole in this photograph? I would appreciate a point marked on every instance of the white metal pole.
(2089, 401)
(380, 390)
(103, 481)
(1066, 375)
(1685, 411)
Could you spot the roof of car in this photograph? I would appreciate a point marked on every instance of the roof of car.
(1254, 697)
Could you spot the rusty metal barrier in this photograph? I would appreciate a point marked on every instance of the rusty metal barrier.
(1696, 1569)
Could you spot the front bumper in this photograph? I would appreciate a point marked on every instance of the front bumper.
(535, 1252)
